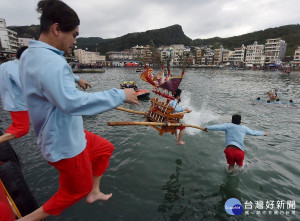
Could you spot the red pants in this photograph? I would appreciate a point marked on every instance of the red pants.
(20, 123)
(234, 155)
(180, 128)
(76, 173)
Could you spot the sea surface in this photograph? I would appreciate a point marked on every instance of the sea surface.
(152, 178)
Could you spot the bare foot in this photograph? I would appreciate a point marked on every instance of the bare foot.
(176, 138)
(230, 169)
(180, 142)
(94, 196)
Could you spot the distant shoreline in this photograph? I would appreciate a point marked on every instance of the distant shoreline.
(89, 70)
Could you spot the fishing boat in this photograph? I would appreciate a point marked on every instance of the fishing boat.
(142, 93)
(14, 191)
(286, 70)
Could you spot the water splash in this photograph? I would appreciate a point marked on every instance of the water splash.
(199, 116)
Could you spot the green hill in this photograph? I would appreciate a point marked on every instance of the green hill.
(164, 36)
(175, 35)
(289, 33)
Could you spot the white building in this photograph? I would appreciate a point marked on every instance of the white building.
(239, 56)
(88, 57)
(255, 55)
(24, 41)
(165, 54)
(297, 57)
(174, 53)
(8, 38)
(275, 50)
(120, 55)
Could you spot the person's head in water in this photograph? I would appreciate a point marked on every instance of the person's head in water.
(268, 101)
(20, 51)
(58, 24)
(291, 101)
(177, 93)
(277, 99)
(236, 119)
(258, 98)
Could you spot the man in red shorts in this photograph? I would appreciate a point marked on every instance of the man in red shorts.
(12, 98)
(56, 108)
(235, 134)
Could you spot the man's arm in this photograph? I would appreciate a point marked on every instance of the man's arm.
(255, 132)
(60, 90)
(218, 127)
(82, 83)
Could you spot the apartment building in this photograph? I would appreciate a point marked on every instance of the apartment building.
(218, 56)
(8, 38)
(88, 57)
(120, 55)
(226, 55)
(239, 56)
(165, 54)
(198, 53)
(297, 57)
(275, 50)
(142, 53)
(255, 55)
(24, 41)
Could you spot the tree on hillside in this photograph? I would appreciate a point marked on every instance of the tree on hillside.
(155, 57)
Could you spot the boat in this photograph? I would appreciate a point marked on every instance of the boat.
(142, 93)
(139, 70)
(286, 71)
(14, 191)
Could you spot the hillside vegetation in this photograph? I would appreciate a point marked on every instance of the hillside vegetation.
(175, 35)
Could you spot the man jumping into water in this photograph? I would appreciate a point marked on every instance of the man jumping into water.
(235, 134)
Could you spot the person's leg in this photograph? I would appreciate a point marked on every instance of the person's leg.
(230, 168)
(6, 137)
(229, 153)
(19, 126)
(176, 134)
(96, 194)
(239, 158)
(75, 182)
(36, 215)
(100, 151)
(181, 132)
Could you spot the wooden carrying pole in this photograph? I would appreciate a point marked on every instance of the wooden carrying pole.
(141, 113)
(128, 123)
(130, 111)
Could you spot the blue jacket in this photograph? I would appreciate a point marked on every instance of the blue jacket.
(10, 88)
(174, 103)
(54, 103)
(235, 134)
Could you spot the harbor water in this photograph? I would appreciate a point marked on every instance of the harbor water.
(152, 178)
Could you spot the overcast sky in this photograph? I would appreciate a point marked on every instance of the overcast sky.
(198, 18)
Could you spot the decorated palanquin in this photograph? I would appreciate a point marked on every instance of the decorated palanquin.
(162, 112)
(160, 115)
